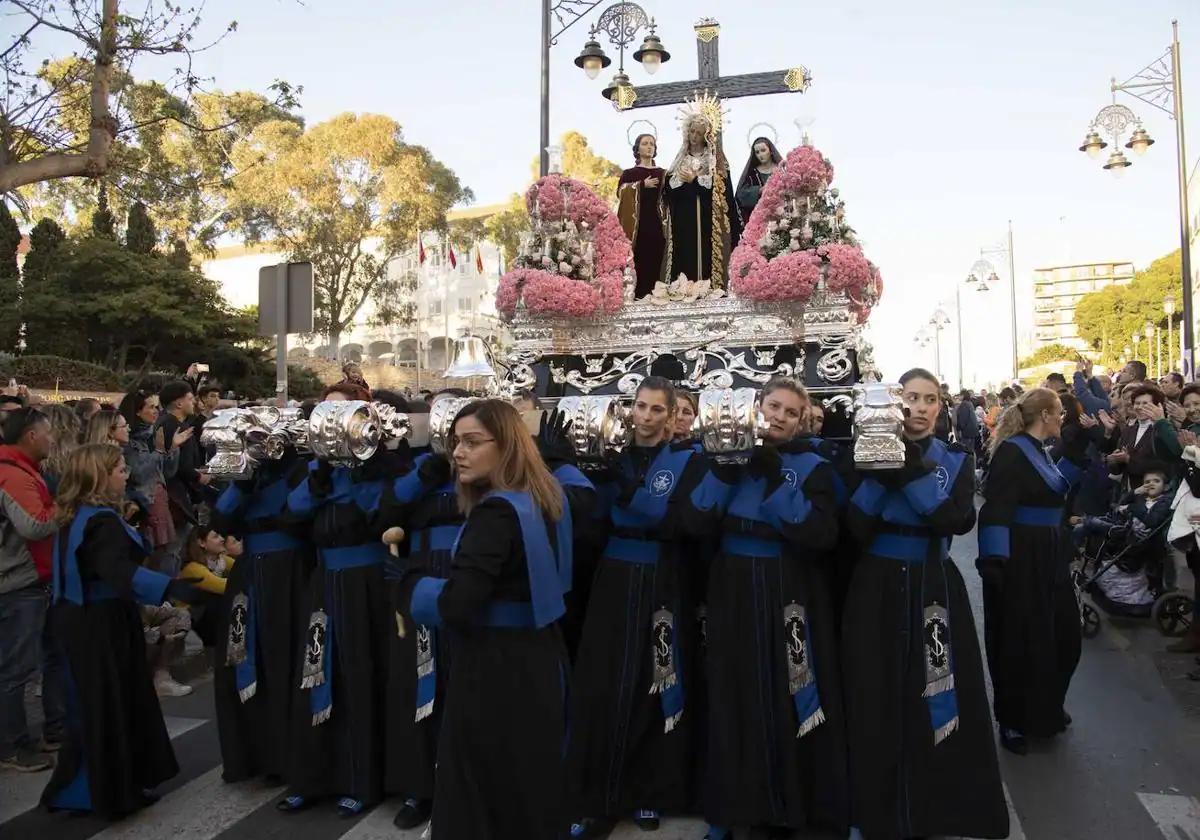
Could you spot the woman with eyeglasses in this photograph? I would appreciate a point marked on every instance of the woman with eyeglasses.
(922, 753)
(500, 753)
(337, 728)
(1031, 615)
(117, 748)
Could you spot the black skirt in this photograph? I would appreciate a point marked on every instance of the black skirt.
(760, 771)
(256, 734)
(1032, 632)
(343, 756)
(117, 744)
(903, 784)
(500, 753)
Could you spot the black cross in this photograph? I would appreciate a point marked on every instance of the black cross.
(792, 80)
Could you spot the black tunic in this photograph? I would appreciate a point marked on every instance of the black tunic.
(620, 757)
(500, 753)
(272, 573)
(690, 207)
(903, 784)
(115, 728)
(768, 763)
(1030, 610)
(343, 755)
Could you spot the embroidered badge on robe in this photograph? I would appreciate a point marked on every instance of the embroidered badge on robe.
(235, 651)
(665, 681)
(313, 673)
(802, 676)
(426, 670)
(939, 691)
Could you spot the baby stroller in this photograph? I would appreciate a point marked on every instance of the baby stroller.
(1122, 574)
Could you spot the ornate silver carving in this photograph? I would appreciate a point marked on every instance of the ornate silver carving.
(239, 437)
(878, 427)
(344, 433)
(729, 421)
(441, 418)
(835, 365)
(867, 369)
(598, 425)
(629, 383)
(619, 368)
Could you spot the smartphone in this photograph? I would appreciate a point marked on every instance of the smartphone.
(201, 368)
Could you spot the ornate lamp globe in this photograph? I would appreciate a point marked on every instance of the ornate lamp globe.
(591, 59)
(1118, 163)
(993, 279)
(652, 55)
(1169, 305)
(972, 279)
(1093, 144)
(1140, 141)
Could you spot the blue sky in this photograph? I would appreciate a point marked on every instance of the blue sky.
(943, 119)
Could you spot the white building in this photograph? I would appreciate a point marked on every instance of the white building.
(449, 301)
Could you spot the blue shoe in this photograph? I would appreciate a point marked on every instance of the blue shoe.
(646, 819)
(348, 807)
(293, 804)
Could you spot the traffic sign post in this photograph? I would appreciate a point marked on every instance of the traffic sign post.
(285, 306)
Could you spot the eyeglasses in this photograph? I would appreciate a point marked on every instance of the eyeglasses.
(470, 444)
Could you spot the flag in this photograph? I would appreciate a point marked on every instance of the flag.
(450, 256)
(421, 251)
(478, 260)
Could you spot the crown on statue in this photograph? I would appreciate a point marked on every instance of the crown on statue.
(707, 106)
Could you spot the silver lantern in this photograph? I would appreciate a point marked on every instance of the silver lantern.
(344, 433)
(441, 419)
(599, 425)
(878, 426)
(728, 420)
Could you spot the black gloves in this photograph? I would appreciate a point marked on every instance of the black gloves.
(182, 590)
(435, 470)
(320, 480)
(553, 439)
(765, 462)
(727, 472)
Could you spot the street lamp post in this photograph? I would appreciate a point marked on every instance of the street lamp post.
(1148, 331)
(621, 22)
(958, 319)
(938, 321)
(983, 273)
(1169, 308)
(1157, 84)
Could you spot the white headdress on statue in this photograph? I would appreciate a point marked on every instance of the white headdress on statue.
(708, 109)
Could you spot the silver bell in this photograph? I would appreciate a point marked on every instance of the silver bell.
(471, 358)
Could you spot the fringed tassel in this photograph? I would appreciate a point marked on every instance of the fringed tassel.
(669, 681)
(815, 720)
(322, 716)
(425, 669)
(945, 732)
(424, 711)
(249, 691)
(313, 680)
(939, 686)
(672, 722)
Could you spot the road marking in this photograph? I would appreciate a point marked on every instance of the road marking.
(1015, 832)
(199, 810)
(1177, 817)
(177, 726)
(377, 825)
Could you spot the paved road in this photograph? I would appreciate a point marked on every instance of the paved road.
(1129, 769)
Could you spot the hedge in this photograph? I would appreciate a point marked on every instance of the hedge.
(68, 374)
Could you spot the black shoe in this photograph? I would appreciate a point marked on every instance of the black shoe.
(294, 804)
(646, 819)
(412, 813)
(1014, 742)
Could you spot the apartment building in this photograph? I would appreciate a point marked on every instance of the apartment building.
(1057, 291)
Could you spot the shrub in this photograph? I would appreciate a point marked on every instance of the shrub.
(67, 374)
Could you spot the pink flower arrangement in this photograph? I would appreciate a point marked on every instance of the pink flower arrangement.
(778, 257)
(548, 294)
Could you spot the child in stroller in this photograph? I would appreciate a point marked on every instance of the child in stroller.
(1124, 554)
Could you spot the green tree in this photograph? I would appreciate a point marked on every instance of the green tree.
(104, 223)
(63, 119)
(44, 239)
(10, 285)
(1108, 319)
(140, 234)
(349, 195)
(505, 228)
(1048, 353)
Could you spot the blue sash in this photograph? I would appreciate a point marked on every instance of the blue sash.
(1046, 468)
(149, 587)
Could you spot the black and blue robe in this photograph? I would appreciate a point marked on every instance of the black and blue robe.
(500, 749)
(338, 720)
(117, 746)
(261, 623)
(922, 752)
(630, 745)
(776, 733)
(1030, 610)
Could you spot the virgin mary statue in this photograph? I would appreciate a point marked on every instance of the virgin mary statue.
(703, 220)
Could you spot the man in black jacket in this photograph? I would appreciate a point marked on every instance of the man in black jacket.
(184, 489)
